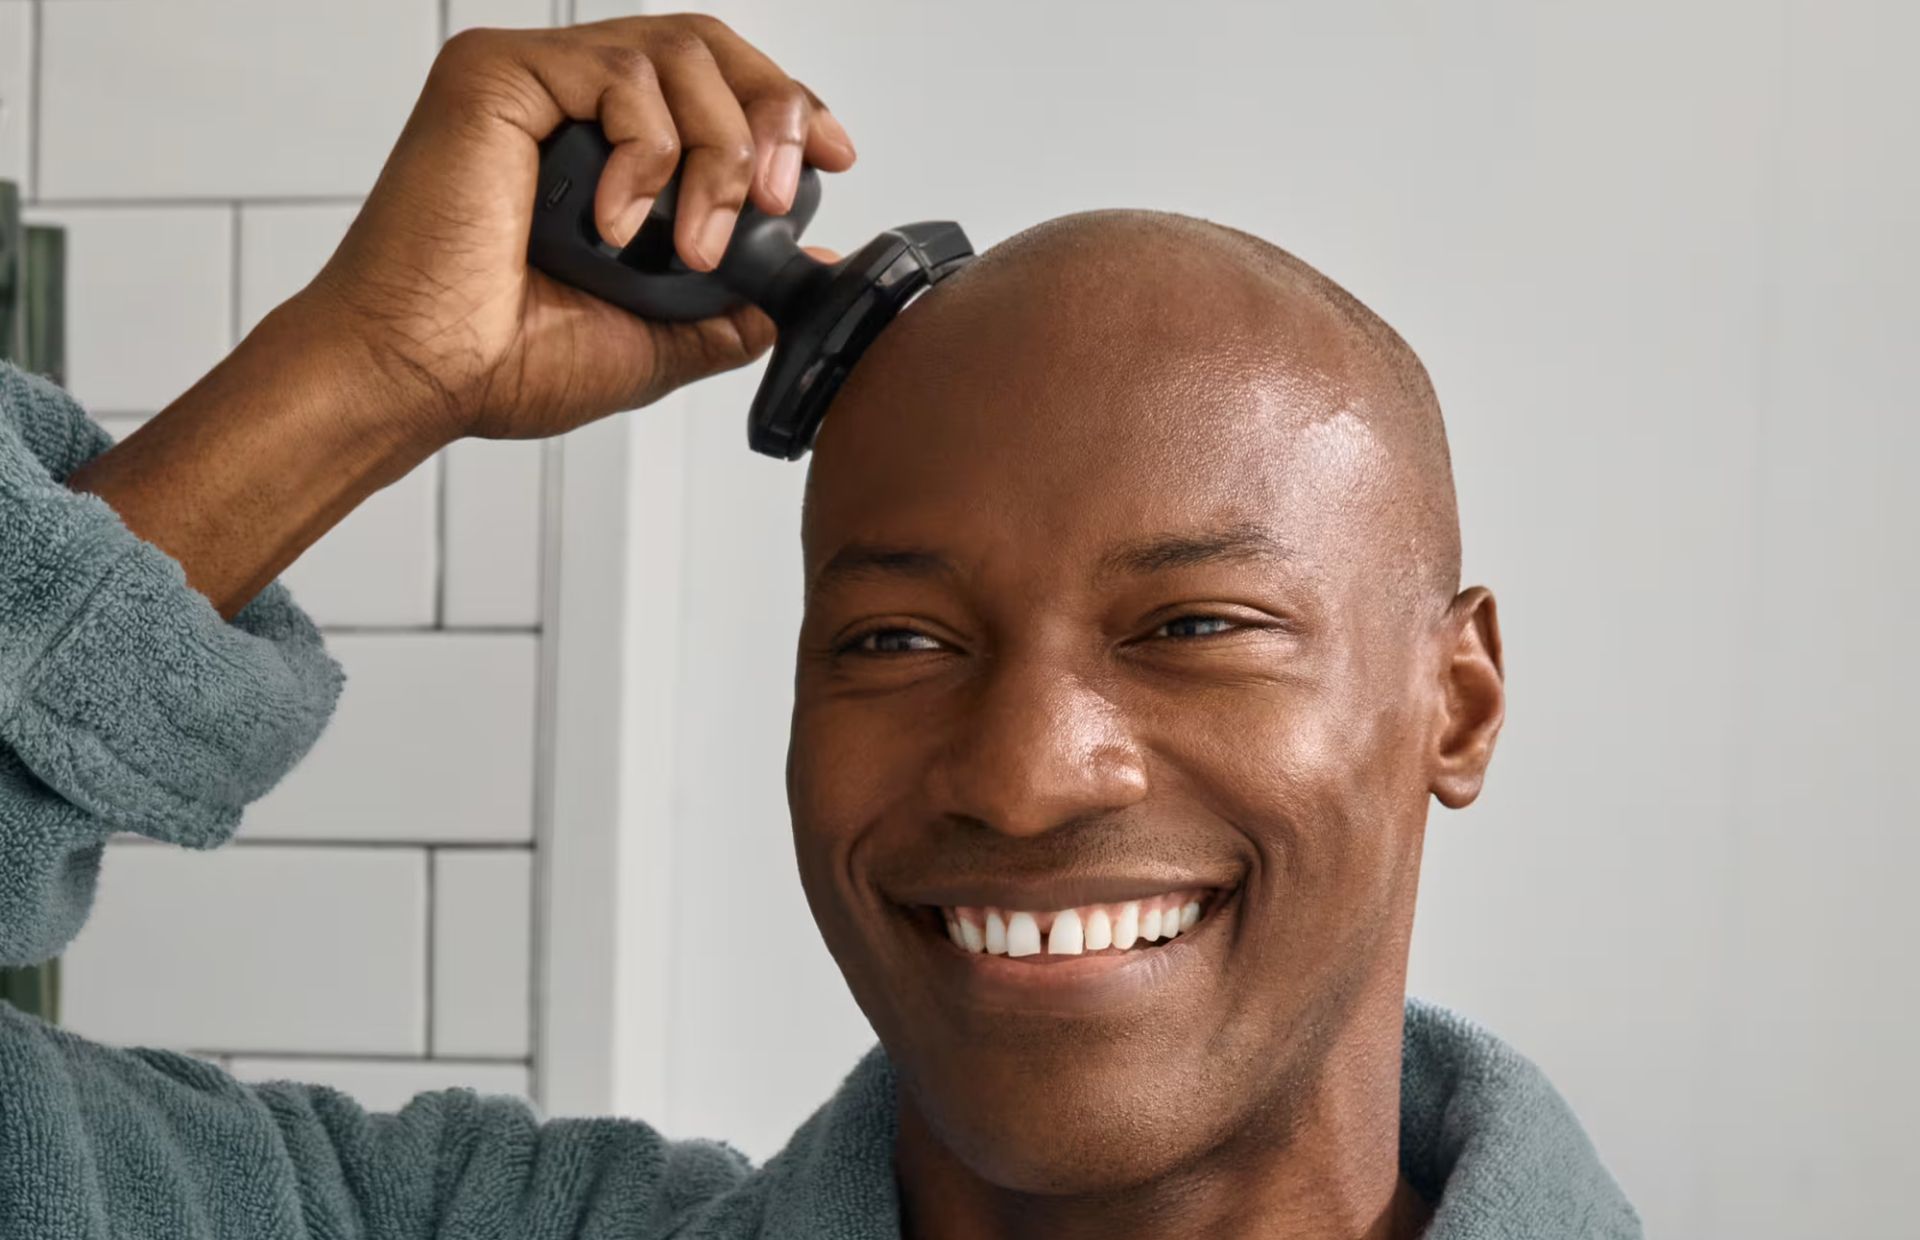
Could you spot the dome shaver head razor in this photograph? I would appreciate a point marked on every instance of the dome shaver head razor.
(827, 313)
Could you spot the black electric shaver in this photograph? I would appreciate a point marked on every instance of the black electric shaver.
(827, 313)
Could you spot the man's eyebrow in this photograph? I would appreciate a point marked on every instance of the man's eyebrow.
(866, 561)
(1164, 551)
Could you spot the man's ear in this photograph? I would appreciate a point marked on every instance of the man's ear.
(1473, 698)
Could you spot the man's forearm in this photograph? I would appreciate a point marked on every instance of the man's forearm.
(261, 457)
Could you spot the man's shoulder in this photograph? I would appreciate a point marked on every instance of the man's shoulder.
(1486, 1136)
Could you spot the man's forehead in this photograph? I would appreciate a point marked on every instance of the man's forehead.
(980, 428)
(1125, 377)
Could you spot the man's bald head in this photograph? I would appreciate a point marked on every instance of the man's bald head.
(1131, 562)
(1126, 283)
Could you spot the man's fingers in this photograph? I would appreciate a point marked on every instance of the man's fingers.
(828, 146)
(636, 119)
(661, 88)
(583, 78)
(776, 109)
(719, 165)
(790, 125)
(777, 114)
(656, 99)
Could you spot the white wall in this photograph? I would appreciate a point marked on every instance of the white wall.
(1659, 258)
(375, 926)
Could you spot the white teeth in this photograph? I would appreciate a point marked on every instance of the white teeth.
(1099, 930)
(1064, 939)
(1150, 925)
(1023, 935)
(1072, 931)
(996, 934)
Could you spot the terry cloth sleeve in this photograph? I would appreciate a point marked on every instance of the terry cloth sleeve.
(104, 1144)
(126, 702)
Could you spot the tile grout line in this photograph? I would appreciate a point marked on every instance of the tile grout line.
(37, 24)
(242, 843)
(448, 630)
(433, 868)
(540, 899)
(183, 201)
(440, 481)
(372, 1057)
(233, 279)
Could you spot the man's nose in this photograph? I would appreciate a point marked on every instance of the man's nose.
(1037, 748)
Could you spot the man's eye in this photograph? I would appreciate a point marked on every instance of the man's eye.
(1194, 626)
(891, 641)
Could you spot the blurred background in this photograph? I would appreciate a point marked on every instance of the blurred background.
(1659, 259)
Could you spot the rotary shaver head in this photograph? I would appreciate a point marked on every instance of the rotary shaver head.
(827, 313)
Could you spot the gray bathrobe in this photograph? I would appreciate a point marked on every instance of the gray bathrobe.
(128, 704)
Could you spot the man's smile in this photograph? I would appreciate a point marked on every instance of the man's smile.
(1092, 957)
(1084, 930)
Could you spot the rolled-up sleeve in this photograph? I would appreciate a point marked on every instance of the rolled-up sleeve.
(127, 703)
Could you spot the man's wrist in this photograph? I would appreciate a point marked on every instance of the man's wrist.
(272, 448)
(359, 384)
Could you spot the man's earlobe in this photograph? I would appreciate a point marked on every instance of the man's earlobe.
(1473, 696)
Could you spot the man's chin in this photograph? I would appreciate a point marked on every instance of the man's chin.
(1068, 1131)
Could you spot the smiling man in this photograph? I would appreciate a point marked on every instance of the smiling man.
(1134, 652)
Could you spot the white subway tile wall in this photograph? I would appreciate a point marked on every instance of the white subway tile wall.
(371, 927)
(254, 949)
(433, 741)
(225, 98)
(149, 300)
(493, 532)
(462, 14)
(282, 246)
(482, 929)
(379, 567)
(601, 10)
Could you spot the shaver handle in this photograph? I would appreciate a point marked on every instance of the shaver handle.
(764, 263)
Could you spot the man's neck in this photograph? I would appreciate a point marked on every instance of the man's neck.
(1328, 1171)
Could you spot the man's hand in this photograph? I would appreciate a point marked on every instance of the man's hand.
(427, 325)
(433, 276)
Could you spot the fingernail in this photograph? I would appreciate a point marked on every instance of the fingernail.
(714, 232)
(783, 173)
(631, 218)
(837, 132)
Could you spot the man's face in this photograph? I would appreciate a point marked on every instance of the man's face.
(1099, 615)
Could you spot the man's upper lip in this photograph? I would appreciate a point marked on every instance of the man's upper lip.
(1052, 893)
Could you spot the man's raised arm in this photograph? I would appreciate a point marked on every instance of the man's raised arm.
(155, 677)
